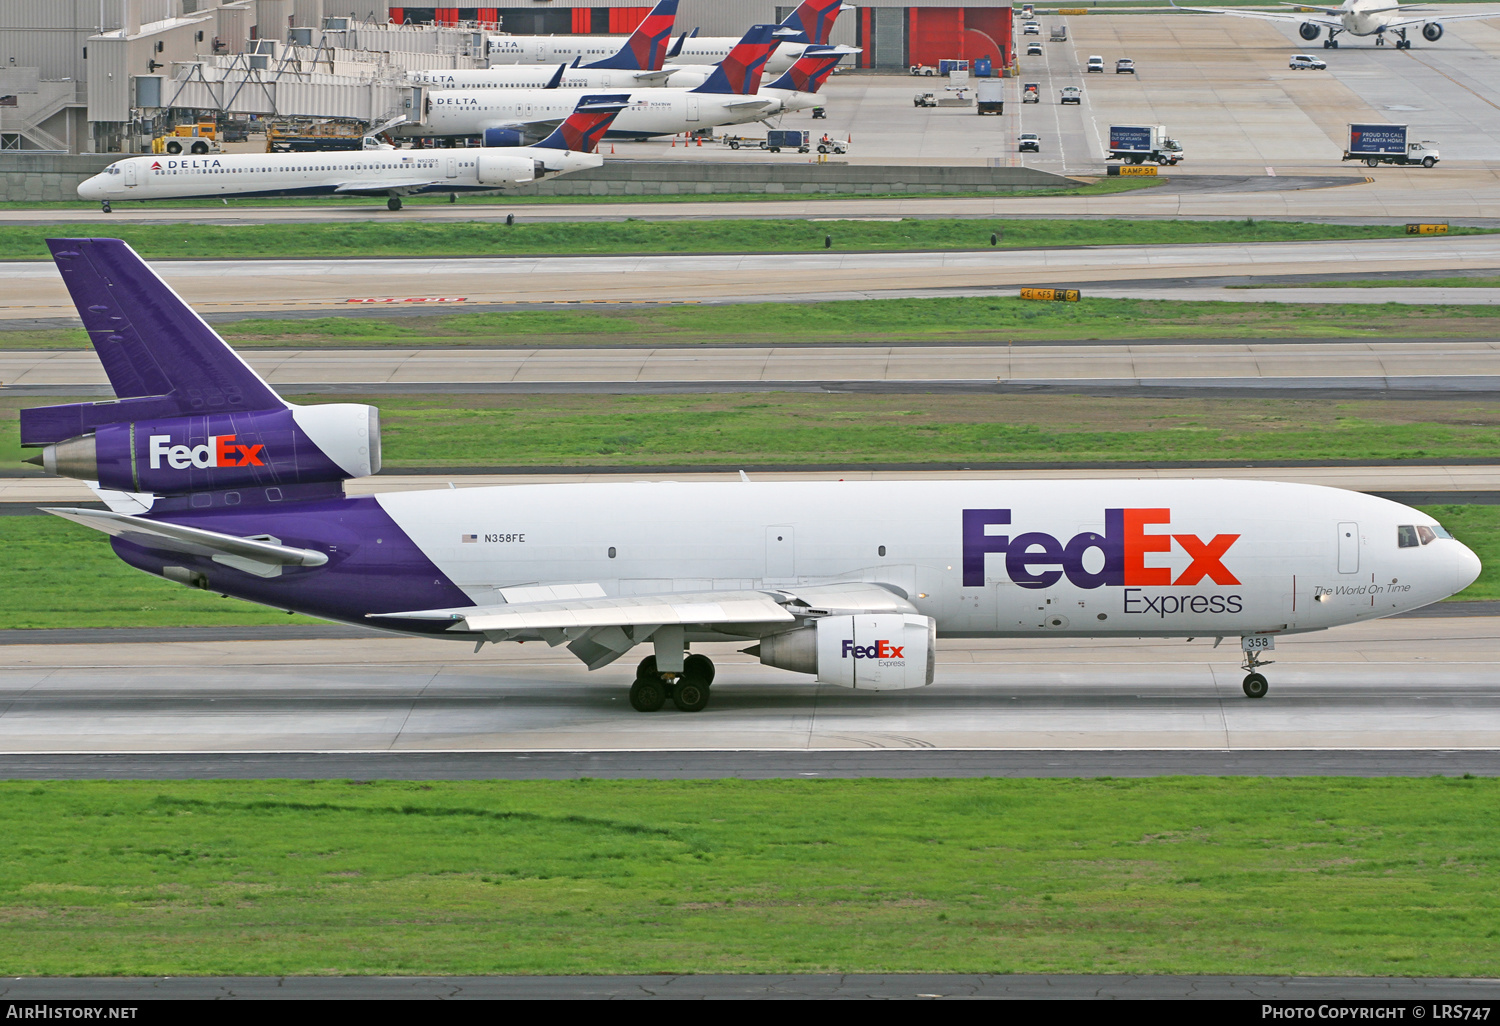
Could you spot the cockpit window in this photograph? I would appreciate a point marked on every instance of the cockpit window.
(1406, 537)
(1425, 533)
(113, 170)
(1437, 529)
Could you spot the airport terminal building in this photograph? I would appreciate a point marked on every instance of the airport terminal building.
(78, 76)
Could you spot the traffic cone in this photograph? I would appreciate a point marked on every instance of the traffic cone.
(611, 149)
(700, 142)
(674, 142)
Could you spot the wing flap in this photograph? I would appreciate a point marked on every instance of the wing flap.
(708, 607)
(192, 540)
(385, 185)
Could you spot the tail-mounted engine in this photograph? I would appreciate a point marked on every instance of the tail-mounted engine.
(1309, 31)
(1432, 32)
(501, 168)
(875, 652)
(294, 445)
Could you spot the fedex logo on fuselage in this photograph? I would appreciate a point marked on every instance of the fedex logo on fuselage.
(220, 451)
(880, 650)
(1038, 560)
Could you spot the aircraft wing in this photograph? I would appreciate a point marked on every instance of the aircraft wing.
(594, 609)
(1444, 19)
(230, 549)
(748, 103)
(380, 188)
(1316, 19)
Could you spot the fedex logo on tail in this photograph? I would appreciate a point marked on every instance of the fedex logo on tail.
(880, 650)
(1038, 560)
(220, 451)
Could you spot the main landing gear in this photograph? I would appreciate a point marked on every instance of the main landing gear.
(394, 203)
(1331, 43)
(688, 690)
(1255, 683)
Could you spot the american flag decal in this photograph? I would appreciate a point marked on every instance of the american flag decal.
(469, 538)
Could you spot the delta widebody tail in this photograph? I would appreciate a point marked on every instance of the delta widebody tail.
(216, 482)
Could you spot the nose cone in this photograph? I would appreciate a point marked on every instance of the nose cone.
(1466, 567)
(92, 189)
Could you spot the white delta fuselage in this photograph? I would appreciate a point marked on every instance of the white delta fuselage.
(1356, 17)
(982, 559)
(354, 172)
(705, 50)
(652, 112)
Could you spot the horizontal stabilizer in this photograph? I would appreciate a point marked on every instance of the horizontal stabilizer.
(709, 607)
(195, 541)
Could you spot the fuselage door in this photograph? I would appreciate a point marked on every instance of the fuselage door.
(692, 108)
(781, 552)
(1348, 548)
(452, 167)
(130, 181)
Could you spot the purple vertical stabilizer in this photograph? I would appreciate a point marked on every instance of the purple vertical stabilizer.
(149, 340)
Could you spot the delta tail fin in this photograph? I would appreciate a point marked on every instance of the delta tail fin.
(813, 21)
(582, 129)
(740, 72)
(646, 49)
(812, 69)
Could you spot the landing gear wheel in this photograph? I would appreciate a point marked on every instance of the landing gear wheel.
(104, 206)
(1256, 686)
(699, 668)
(394, 203)
(647, 695)
(690, 694)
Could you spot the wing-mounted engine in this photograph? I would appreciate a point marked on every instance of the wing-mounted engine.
(213, 451)
(856, 635)
(1432, 32)
(1309, 30)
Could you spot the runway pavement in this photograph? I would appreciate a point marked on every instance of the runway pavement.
(32, 290)
(1413, 477)
(1393, 687)
(1423, 366)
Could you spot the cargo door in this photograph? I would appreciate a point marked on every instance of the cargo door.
(781, 552)
(692, 108)
(452, 167)
(1348, 548)
(130, 179)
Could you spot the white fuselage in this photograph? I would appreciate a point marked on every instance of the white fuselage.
(534, 76)
(1078, 558)
(652, 112)
(563, 49)
(352, 172)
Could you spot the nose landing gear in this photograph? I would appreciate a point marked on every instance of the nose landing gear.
(104, 206)
(688, 690)
(1255, 683)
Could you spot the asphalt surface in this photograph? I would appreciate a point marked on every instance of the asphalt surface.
(30, 290)
(668, 986)
(1397, 685)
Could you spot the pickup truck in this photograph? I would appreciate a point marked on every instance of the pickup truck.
(1071, 94)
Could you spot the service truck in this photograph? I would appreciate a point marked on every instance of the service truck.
(1059, 34)
(1137, 144)
(990, 95)
(1387, 144)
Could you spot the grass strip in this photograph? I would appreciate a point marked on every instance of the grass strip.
(60, 574)
(808, 429)
(379, 238)
(956, 320)
(1337, 877)
(1099, 187)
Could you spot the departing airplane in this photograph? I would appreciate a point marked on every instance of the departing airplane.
(503, 117)
(214, 481)
(638, 62)
(810, 23)
(1356, 17)
(571, 146)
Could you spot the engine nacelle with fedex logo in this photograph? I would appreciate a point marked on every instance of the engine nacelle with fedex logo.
(248, 448)
(870, 652)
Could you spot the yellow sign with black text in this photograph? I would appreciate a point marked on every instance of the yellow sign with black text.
(1051, 295)
(1131, 169)
(1427, 229)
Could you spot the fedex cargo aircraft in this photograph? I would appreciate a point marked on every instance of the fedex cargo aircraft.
(214, 481)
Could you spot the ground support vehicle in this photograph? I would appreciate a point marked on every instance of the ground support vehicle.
(1137, 144)
(989, 94)
(1059, 34)
(1033, 49)
(776, 140)
(1070, 94)
(1095, 63)
(200, 138)
(924, 100)
(1031, 92)
(1388, 144)
(1306, 62)
(923, 70)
